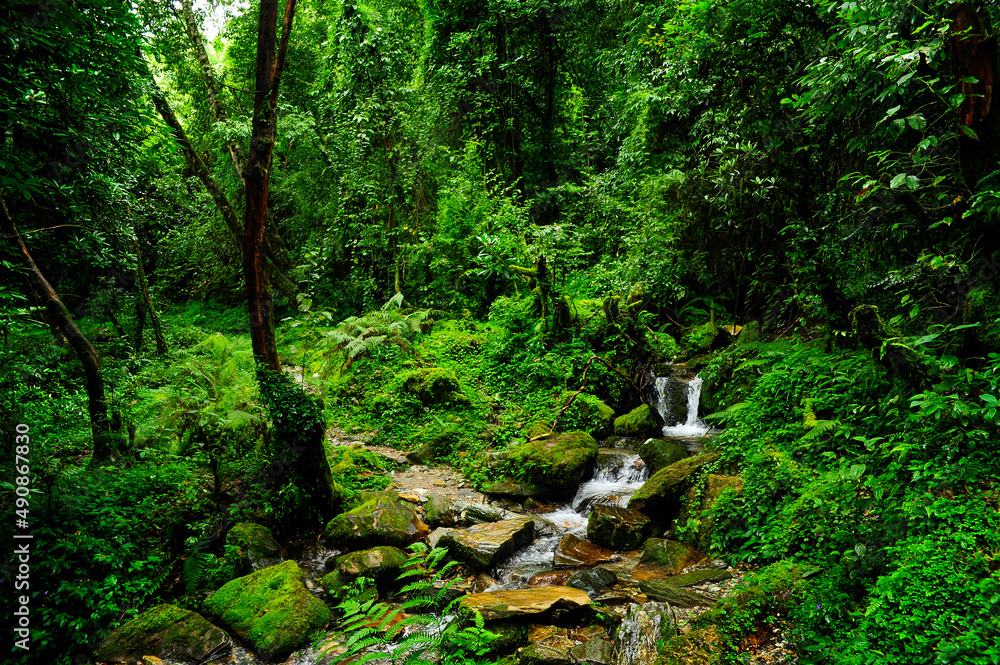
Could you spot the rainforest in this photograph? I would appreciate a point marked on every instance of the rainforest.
(521, 332)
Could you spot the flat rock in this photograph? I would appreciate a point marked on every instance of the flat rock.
(664, 591)
(484, 546)
(166, 631)
(574, 551)
(617, 528)
(522, 602)
(662, 558)
(435, 536)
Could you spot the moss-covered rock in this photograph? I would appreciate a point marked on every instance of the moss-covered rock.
(559, 460)
(434, 385)
(660, 496)
(381, 564)
(437, 511)
(661, 453)
(703, 646)
(270, 609)
(254, 547)
(639, 422)
(543, 654)
(166, 631)
(667, 592)
(666, 557)
(381, 520)
(617, 528)
(587, 413)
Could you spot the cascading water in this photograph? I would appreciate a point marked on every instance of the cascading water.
(692, 426)
(617, 476)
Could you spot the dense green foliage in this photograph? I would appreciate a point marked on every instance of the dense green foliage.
(567, 193)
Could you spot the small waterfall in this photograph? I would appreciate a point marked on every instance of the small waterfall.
(617, 476)
(692, 425)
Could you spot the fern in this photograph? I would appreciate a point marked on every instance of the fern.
(727, 415)
(378, 631)
(194, 569)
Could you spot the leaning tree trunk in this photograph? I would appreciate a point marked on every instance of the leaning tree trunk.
(97, 404)
(161, 341)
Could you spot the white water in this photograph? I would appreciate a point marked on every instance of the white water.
(692, 426)
(617, 477)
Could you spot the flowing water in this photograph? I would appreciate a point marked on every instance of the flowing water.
(692, 426)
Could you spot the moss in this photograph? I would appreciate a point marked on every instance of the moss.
(271, 609)
(254, 547)
(660, 496)
(538, 428)
(637, 422)
(434, 385)
(661, 453)
(670, 555)
(559, 460)
(703, 646)
(380, 520)
(700, 503)
(587, 413)
(699, 339)
(773, 589)
(164, 631)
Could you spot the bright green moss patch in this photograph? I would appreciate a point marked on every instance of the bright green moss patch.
(638, 422)
(559, 460)
(271, 609)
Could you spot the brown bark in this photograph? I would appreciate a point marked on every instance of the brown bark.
(200, 169)
(161, 341)
(258, 177)
(211, 85)
(97, 404)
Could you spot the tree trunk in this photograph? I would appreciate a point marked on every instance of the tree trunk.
(97, 406)
(161, 341)
(214, 99)
(197, 165)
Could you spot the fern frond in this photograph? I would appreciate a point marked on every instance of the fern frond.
(820, 428)
(726, 415)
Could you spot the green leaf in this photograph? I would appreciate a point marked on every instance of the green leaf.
(968, 131)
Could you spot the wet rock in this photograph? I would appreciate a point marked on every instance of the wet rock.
(542, 654)
(559, 460)
(661, 453)
(594, 581)
(593, 652)
(271, 609)
(523, 602)
(382, 564)
(700, 577)
(516, 489)
(553, 578)
(166, 631)
(485, 545)
(434, 539)
(574, 551)
(617, 528)
(477, 513)
(641, 632)
(381, 520)
(702, 646)
(673, 398)
(660, 496)
(255, 547)
(662, 557)
(482, 583)
(437, 511)
(639, 422)
(663, 590)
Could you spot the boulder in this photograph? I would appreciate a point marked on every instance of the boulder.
(701, 646)
(639, 422)
(661, 453)
(543, 654)
(434, 539)
(382, 564)
(381, 520)
(437, 511)
(664, 591)
(485, 546)
(672, 406)
(434, 385)
(700, 577)
(573, 551)
(477, 513)
(255, 547)
(518, 489)
(617, 528)
(594, 581)
(593, 652)
(166, 631)
(663, 558)
(559, 460)
(551, 578)
(641, 633)
(660, 496)
(523, 602)
(587, 413)
(270, 609)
